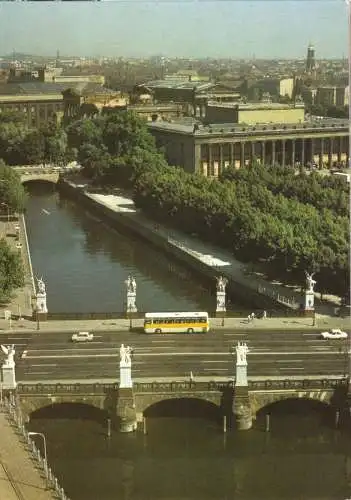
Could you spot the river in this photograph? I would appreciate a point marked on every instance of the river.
(84, 262)
(184, 455)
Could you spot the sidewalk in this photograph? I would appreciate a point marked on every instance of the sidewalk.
(220, 260)
(117, 325)
(19, 478)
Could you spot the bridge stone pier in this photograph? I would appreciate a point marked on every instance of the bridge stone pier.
(333, 392)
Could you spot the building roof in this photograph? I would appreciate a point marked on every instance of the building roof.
(255, 105)
(187, 126)
(41, 88)
(177, 84)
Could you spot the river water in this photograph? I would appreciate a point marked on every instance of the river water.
(184, 455)
(84, 263)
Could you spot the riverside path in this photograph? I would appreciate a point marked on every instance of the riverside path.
(19, 478)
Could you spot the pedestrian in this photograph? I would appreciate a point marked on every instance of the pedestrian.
(264, 315)
(249, 318)
(191, 377)
(252, 316)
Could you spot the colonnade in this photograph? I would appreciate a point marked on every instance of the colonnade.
(321, 151)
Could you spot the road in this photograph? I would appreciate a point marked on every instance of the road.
(52, 356)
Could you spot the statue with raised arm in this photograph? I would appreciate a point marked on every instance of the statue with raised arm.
(221, 284)
(125, 355)
(310, 282)
(10, 352)
(131, 284)
(41, 285)
(241, 352)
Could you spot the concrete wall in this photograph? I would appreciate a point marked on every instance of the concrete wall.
(131, 224)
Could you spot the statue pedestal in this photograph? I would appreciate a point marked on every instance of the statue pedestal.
(40, 312)
(8, 377)
(221, 305)
(241, 376)
(242, 408)
(309, 303)
(126, 411)
(131, 303)
(125, 376)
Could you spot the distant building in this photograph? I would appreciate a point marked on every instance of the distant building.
(276, 87)
(208, 150)
(310, 60)
(332, 96)
(253, 113)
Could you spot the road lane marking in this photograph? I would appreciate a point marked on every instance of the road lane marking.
(289, 361)
(45, 364)
(215, 361)
(291, 368)
(217, 369)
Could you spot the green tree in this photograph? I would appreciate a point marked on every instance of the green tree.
(11, 271)
(12, 192)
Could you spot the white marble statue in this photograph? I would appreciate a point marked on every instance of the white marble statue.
(41, 285)
(310, 282)
(125, 355)
(10, 352)
(241, 352)
(221, 284)
(131, 284)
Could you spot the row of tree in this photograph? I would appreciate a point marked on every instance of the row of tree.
(12, 199)
(21, 144)
(293, 223)
(329, 192)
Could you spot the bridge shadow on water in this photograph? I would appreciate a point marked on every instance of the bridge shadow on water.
(184, 408)
(296, 414)
(70, 411)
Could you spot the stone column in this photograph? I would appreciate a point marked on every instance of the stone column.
(242, 406)
(339, 149)
(273, 152)
(293, 151)
(210, 163)
(221, 165)
(242, 154)
(253, 150)
(232, 156)
(330, 152)
(312, 150)
(321, 153)
(303, 152)
(283, 152)
(263, 149)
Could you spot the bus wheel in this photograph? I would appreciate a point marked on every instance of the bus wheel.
(190, 330)
(158, 330)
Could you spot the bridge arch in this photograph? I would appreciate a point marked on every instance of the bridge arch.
(51, 178)
(32, 406)
(181, 405)
(262, 402)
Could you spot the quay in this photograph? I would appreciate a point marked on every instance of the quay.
(20, 477)
(205, 259)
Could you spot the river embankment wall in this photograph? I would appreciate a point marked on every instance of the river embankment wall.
(132, 223)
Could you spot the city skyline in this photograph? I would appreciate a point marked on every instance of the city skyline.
(104, 29)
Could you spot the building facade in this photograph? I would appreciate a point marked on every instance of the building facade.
(208, 150)
(38, 109)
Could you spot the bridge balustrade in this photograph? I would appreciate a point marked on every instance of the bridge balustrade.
(182, 386)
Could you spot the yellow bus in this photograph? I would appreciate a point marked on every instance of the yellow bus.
(176, 322)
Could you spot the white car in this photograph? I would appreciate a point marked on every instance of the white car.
(82, 337)
(336, 333)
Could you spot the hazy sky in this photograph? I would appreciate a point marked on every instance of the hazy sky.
(197, 28)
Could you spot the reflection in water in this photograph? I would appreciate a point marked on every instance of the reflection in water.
(84, 262)
(190, 458)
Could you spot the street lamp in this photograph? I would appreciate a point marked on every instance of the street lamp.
(45, 451)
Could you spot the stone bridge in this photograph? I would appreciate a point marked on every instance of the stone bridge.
(262, 393)
(46, 174)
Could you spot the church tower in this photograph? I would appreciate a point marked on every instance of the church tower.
(310, 61)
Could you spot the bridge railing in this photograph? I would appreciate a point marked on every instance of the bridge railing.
(182, 386)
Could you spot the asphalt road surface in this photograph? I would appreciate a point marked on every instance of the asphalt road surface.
(51, 356)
